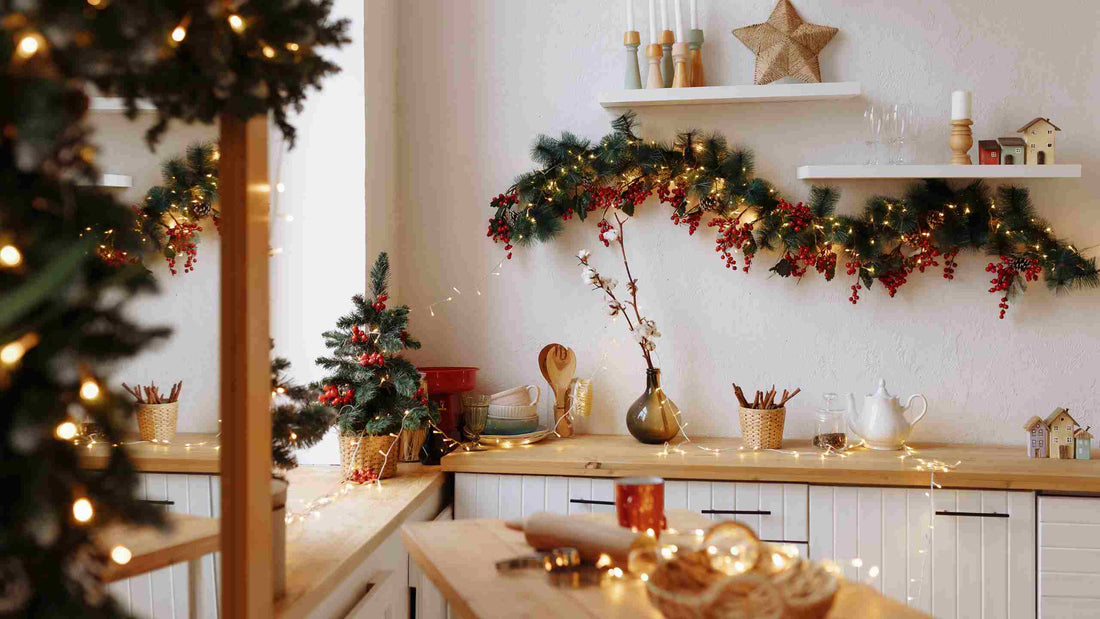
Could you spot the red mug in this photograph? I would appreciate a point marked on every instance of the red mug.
(640, 503)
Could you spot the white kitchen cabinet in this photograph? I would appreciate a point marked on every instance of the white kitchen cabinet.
(974, 558)
(164, 593)
(1069, 557)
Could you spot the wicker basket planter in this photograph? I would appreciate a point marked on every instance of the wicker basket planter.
(157, 422)
(411, 442)
(361, 452)
(762, 429)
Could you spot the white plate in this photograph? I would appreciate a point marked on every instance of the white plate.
(515, 439)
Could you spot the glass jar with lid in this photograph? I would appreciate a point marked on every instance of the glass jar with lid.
(832, 425)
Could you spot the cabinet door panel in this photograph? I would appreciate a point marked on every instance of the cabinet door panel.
(676, 495)
(603, 490)
(557, 495)
(580, 489)
(534, 494)
(511, 497)
(465, 495)
(895, 545)
(869, 512)
(488, 496)
(1069, 557)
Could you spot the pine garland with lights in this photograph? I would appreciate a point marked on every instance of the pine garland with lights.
(297, 419)
(63, 309)
(698, 175)
(375, 390)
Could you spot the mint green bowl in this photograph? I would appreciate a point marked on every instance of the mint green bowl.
(510, 427)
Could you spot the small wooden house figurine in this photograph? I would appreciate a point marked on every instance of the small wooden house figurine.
(1013, 151)
(1062, 427)
(1039, 135)
(989, 152)
(1083, 441)
(1038, 437)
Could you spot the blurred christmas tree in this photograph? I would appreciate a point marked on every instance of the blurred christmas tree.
(297, 419)
(374, 389)
(62, 319)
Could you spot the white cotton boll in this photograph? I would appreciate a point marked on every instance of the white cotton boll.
(610, 236)
(639, 337)
(582, 255)
(588, 275)
(610, 283)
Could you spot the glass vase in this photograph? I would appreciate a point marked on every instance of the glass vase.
(652, 417)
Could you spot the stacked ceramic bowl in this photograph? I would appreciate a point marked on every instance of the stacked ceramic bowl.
(513, 412)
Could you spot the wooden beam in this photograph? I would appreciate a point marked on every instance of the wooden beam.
(245, 370)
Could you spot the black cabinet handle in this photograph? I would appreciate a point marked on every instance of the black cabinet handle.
(158, 501)
(591, 502)
(971, 514)
(741, 512)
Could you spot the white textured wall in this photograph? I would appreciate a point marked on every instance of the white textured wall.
(478, 81)
(188, 302)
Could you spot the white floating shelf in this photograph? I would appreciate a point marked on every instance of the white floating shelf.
(117, 104)
(939, 171)
(115, 180)
(748, 93)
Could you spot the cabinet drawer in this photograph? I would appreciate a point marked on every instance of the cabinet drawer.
(1069, 557)
(775, 512)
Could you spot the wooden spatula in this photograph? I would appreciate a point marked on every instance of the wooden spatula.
(561, 366)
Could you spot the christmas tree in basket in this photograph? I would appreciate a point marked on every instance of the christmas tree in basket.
(377, 393)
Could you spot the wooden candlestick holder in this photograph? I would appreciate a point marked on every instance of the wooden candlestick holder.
(695, 43)
(666, 39)
(631, 41)
(681, 57)
(654, 54)
(960, 141)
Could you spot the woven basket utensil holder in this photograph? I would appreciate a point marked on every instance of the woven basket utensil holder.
(762, 429)
(157, 422)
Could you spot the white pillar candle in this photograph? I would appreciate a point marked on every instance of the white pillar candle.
(694, 14)
(679, 21)
(652, 22)
(664, 14)
(629, 15)
(960, 105)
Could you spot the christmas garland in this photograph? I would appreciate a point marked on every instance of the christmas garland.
(697, 175)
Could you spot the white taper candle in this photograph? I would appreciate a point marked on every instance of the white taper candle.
(664, 14)
(652, 21)
(694, 14)
(629, 15)
(960, 105)
(679, 21)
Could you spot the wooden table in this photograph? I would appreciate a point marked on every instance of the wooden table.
(188, 453)
(603, 455)
(188, 538)
(459, 557)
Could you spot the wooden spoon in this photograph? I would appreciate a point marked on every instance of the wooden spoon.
(561, 366)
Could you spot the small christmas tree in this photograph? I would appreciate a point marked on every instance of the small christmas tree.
(374, 389)
(297, 419)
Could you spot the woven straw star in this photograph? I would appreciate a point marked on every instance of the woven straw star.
(785, 45)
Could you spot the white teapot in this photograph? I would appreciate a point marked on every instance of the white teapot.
(882, 423)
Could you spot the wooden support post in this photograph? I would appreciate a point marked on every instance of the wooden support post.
(245, 370)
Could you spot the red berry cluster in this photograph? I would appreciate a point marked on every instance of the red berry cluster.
(568, 214)
(949, 264)
(732, 235)
(372, 358)
(798, 215)
(181, 241)
(853, 268)
(823, 261)
(504, 200)
(672, 195)
(379, 303)
(421, 395)
(499, 230)
(691, 220)
(1005, 275)
(360, 476)
(604, 227)
(635, 193)
(926, 254)
(404, 335)
(359, 335)
(336, 397)
(602, 197)
(894, 280)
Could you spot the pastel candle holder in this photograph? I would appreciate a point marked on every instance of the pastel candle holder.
(666, 39)
(681, 57)
(695, 44)
(633, 78)
(960, 141)
(654, 54)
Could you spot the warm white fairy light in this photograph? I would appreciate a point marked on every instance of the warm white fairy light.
(65, 431)
(82, 510)
(89, 389)
(121, 555)
(29, 45)
(179, 33)
(10, 256)
(236, 22)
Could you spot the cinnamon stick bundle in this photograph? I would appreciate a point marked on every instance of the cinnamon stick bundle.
(150, 394)
(764, 400)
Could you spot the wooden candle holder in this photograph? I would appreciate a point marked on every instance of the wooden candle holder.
(666, 39)
(654, 54)
(960, 141)
(631, 41)
(695, 43)
(681, 57)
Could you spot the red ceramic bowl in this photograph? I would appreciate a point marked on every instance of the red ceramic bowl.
(443, 380)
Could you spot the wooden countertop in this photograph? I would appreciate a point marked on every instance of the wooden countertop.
(604, 455)
(189, 453)
(188, 537)
(322, 552)
(459, 556)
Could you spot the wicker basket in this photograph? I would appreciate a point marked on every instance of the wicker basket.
(361, 452)
(762, 429)
(411, 442)
(157, 422)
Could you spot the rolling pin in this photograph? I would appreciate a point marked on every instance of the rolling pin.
(546, 531)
